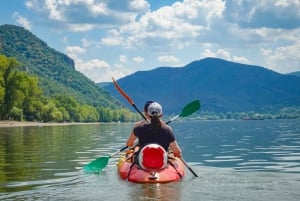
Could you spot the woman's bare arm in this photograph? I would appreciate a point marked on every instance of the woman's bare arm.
(175, 148)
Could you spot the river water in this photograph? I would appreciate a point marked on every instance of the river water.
(235, 160)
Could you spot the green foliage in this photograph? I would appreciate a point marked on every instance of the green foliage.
(21, 98)
(16, 114)
(56, 71)
(88, 113)
(49, 112)
(11, 92)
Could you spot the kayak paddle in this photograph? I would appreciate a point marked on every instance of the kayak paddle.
(100, 163)
(128, 98)
(188, 167)
(187, 110)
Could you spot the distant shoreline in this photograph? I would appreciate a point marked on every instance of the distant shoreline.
(4, 124)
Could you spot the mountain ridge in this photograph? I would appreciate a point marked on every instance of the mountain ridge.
(297, 73)
(220, 85)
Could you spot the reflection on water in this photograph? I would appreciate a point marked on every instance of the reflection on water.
(31, 156)
(157, 192)
(235, 160)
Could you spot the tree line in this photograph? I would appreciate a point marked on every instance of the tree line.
(284, 113)
(21, 98)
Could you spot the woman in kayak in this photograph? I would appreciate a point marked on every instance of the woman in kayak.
(154, 130)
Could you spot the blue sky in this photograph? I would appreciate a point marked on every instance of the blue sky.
(119, 37)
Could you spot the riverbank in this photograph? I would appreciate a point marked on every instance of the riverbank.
(29, 123)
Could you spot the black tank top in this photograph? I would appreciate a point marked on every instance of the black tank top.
(146, 135)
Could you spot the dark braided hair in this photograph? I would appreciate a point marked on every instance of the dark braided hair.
(155, 112)
(155, 122)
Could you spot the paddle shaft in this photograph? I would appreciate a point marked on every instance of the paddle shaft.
(172, 119)
(190, 169)
(128, 98)
(122, 149)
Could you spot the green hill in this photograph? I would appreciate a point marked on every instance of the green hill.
(56, 71)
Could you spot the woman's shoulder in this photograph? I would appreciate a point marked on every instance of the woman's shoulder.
(166, 127)
(140, 123)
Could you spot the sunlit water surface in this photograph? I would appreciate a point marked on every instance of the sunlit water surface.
(235, 160)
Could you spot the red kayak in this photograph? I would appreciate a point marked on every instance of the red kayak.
(152, 165)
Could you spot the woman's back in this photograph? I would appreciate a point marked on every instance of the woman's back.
(146, 135)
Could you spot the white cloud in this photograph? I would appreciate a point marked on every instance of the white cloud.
(34, 5)
(86, 42)
(95, 69)
(224, 54)
(80, 27)
(22, 21)
(73, 51)
(265, 52)
(55, 10)
(84, 15)
(93, 64)
(283, 3)
(287, 3)
(208, 53)
(173, 25)
(168, 59)
(138, 59)
(242, 60)
(111, 41)
(284, 59)
(139, 5)
(97, 8)
(123, 59)
(264, 13)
